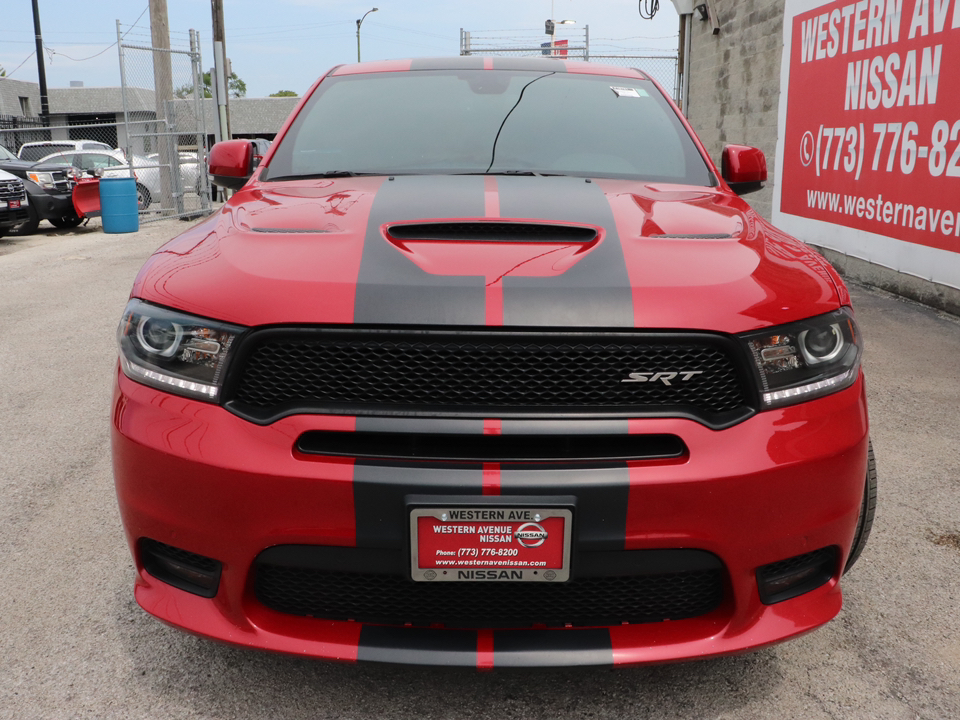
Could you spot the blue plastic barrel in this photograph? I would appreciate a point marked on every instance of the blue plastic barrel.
(118, 204)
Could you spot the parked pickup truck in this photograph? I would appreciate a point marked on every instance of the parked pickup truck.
(49, 187)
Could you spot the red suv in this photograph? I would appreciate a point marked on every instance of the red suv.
(486, 364)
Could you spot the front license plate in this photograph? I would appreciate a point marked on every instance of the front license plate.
(470, 544)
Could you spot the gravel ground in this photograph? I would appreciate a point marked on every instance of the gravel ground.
(75, 645)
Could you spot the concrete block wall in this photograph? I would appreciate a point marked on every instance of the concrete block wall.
(735, 82)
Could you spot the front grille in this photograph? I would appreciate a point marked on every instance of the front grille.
(61, 182)
(486, 374)
(394, 600)
(11, 190)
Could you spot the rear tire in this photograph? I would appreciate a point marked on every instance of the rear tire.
(70, 221)
(143, 197)
(868, 509)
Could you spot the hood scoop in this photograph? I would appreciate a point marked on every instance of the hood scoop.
(496, 232)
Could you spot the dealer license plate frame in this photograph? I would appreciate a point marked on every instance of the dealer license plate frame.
(491, 570)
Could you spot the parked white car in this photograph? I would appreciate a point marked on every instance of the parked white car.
(189, 170)
(34, 151)
(113, 163)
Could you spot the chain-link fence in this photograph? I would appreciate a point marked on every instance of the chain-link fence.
(66, 136)
(164, 126)
(662, 68)
(568, 44)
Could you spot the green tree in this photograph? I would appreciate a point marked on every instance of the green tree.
(235, 86)
(284, 93)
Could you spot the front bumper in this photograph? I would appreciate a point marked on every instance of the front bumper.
(780, 484)
(52, 203)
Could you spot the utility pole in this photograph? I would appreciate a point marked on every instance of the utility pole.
(163, 93)
(41, 70)
(220, 64)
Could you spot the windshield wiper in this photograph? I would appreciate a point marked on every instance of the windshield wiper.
(328, 174)
(530, 173)
(505, 172)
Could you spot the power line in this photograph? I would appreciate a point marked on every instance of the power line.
(409, 30)
(19, 66)
(113, 44)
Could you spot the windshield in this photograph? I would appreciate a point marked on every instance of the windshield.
(485, 121)
(6, 154)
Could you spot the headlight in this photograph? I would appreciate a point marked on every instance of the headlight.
(173, 351)
(807, 359)
(43, 179)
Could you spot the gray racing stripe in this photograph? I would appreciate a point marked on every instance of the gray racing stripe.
(380, 491)
(418, 646)
(600, 518)
(552, 648)
(391, 288)
(474, 62)
(593, 293)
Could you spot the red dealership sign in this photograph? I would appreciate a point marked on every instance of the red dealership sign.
(872, 136)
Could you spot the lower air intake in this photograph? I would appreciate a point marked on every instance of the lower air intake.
(394, 600)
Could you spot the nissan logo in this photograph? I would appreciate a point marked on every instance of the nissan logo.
(530, 535)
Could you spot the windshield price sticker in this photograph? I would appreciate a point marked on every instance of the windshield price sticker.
(490, 544)
(628, 92)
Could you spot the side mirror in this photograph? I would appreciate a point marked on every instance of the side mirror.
(231, 163)
(744, 168)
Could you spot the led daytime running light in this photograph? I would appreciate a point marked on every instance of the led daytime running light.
(819, 387)
(134, 370)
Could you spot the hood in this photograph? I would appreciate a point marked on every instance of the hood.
(20, 167)
(341, 251)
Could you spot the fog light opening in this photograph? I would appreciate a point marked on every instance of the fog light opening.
(183, 569)
(795, 576)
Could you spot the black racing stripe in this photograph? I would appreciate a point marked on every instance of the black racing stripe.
(600, 517)
(533, 64)
(390, 287)
(552, 648)
(472, 62)
(458, 426)
(593, 293)
(548, 426)
(379, 497)
(417, 646)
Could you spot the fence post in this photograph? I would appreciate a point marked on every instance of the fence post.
(199, 111)
(123, 99)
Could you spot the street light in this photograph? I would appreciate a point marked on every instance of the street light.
(359, 23)
(550, 29)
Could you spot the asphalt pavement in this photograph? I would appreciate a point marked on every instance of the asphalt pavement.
(75, 644)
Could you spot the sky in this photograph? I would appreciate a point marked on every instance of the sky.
(287, 44)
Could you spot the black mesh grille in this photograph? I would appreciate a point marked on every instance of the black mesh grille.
(369, 371)
(393, 600)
